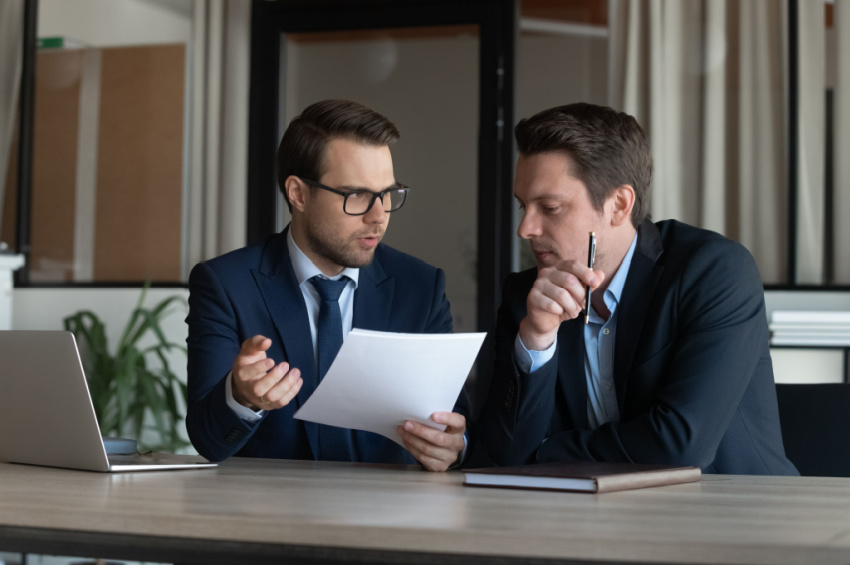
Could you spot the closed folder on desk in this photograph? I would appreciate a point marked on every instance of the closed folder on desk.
(582, 476)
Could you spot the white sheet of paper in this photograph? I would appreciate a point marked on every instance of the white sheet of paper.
(380, 379)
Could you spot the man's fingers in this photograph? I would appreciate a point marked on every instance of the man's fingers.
(454, 422)
(253, 371)
(266, 386)
(424, 451)
(558, 300)
(255, 345)
(282, 392)
(428, 444)
(262, 385)
(414, 444)
(585, 276)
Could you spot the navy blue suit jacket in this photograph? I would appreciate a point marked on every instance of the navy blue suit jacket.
(692, 368)
(254, 291)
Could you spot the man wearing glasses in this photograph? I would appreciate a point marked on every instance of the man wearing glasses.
(266, 321)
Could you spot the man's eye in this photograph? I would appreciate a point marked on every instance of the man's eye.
(360, 195)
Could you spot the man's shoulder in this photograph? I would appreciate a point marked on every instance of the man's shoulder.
(399, 263)
(239, 260)
(681, 240)
(704, 255)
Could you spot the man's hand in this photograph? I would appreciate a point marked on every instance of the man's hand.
(435, 450)
(558, 295)
(257, 382)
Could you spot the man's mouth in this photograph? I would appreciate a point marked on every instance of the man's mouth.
(369, 240)
(542, 253)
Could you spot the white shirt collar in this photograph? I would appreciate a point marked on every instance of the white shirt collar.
(305, 269)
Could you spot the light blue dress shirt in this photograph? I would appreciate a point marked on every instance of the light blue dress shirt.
(304, 271)
(599, 338)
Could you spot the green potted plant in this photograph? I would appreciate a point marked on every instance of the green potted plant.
(133, 388)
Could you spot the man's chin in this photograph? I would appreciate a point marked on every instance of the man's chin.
(363, 258)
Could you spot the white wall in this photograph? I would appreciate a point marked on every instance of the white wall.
(428, 87)
(45, 308)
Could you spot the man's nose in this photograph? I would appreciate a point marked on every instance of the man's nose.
(528, 227)
(377, 214)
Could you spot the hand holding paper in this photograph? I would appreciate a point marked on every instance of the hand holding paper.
(436, 450)
(381, 380)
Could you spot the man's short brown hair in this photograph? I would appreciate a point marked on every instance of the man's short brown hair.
(302, 149)
(606, 148)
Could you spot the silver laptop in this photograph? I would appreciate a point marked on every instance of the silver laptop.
(46, 413)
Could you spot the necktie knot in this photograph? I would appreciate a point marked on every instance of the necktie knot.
(329, 291)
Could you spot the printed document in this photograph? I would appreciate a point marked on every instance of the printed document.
(380, 379)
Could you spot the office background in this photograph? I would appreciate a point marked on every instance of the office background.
(145, 156)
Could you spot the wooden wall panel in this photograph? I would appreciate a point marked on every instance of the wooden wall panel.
(592, 12)
(139, 170)
(57, 95)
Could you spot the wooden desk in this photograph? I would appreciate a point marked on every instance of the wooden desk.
(263, 511)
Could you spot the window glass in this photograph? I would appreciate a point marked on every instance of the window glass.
(425, 80)
(108, 141)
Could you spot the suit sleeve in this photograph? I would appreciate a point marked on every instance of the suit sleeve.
(440, 321)
(519, 406)
(213, 343)
(701, 374)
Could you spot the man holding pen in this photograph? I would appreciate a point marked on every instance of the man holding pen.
(673, 365)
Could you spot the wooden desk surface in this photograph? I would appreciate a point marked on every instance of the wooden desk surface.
(266, 511)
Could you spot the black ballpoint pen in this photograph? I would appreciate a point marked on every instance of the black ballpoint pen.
(591, 253)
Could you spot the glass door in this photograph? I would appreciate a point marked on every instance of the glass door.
(442, 71)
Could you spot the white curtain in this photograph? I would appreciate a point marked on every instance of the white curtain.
(841, 151)
(706, 79)
(11, 51)
(218, 163)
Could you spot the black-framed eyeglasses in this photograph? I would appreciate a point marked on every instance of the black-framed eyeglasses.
(358, 202)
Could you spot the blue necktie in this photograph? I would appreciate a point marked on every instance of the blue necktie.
(334, 443)
(329, 334)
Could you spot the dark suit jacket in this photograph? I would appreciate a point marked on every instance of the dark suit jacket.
(254, 291)
(692, 368)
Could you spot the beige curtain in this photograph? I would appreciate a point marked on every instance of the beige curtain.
(811, 161)
(11, 51)
(219, 155)
(841, 210)
(706, 79)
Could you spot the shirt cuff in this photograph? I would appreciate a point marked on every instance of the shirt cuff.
(529, 360)
(242, 411)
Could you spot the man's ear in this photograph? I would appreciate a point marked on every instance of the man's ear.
(621, 202)
(296, 191)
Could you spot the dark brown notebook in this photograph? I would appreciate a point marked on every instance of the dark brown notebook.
(582, 476)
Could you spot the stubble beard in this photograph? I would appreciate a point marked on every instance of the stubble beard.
(336, 249)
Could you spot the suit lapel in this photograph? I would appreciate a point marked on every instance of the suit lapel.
(282, 295)
(373, 298)
(571, 374)
(642, 279)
